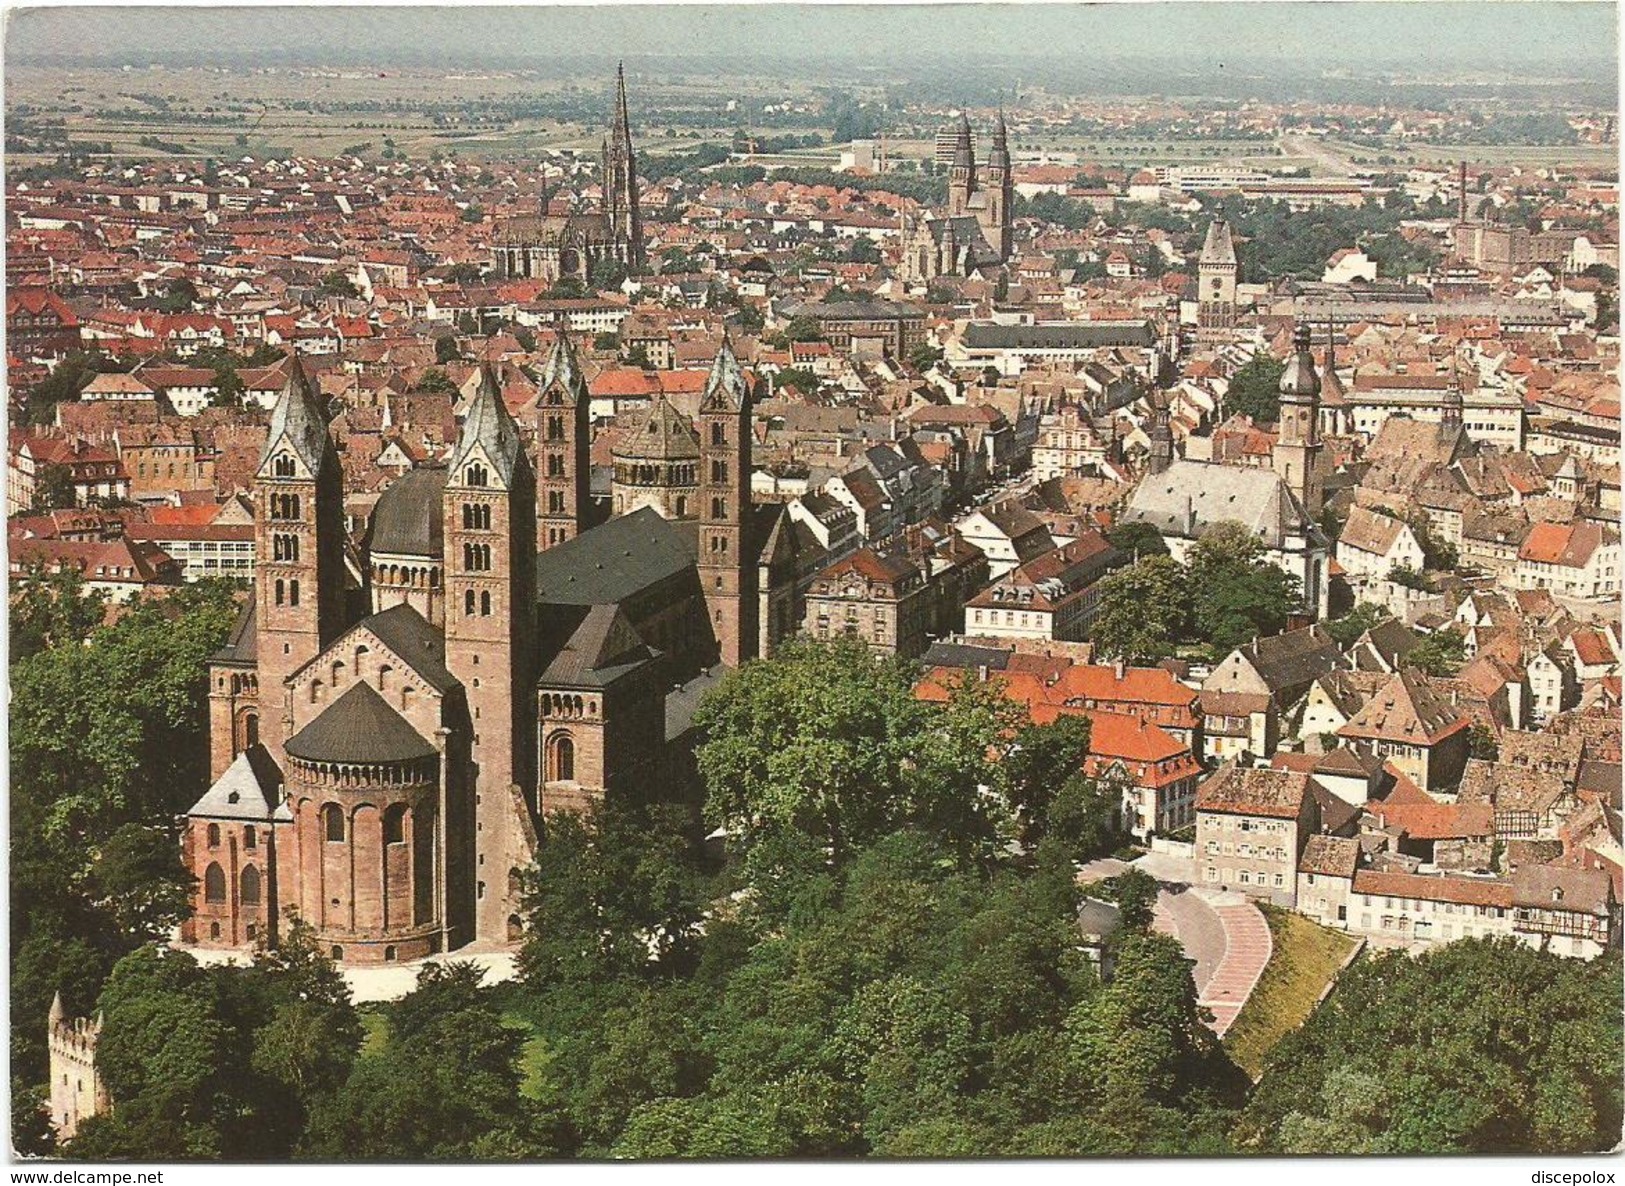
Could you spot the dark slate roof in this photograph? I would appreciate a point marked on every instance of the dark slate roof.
(859, 311)
(241, 649)
(952, 654)
(725, 386)
(359, 727)
(297, 422)
(408, 518)
(602, 649)
(682, 702)
(1098, 919)
(418, 644)
(250, 789)
(612, 562)
(1071, 336)
(488, 429)
(1295, 658)
(564, 370)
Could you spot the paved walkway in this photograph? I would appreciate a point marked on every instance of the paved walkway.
(1224, 933)
(1184, 915)
(1247, 948)
(387, 982)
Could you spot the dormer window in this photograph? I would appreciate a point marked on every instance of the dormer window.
(475, 475)
(282, 466)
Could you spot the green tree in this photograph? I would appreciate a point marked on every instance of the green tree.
(924, 356)
(52, 609)
(446, 350)
(1142, 611)
(180, 296)
(1136, 540)
(1356, 622)
(1477, 1046)
(54, 489)
(803, 328)
(606, 341)
(608, 273)
(1439, 654)
(339, 285)
(1236, 593)
(1255, 390)
(1041, 761)
(829, 745)
(638, 357)
(445, 1087)
(435, 381)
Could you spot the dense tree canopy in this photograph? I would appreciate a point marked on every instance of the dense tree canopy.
(107, 747)
(1479, 1046)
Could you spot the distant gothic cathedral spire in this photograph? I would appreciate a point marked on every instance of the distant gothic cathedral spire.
(550, 247)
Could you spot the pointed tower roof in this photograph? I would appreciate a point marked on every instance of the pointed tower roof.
(725, 386)
(1299, 382)
(489, 427)
(297, 423)
(1218, 247)
(999, 158)
(57, 1011)
(623, 121)
(564, 369)
(660, 434)
(962, 148)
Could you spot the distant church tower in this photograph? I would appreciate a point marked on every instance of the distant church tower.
(563, 443)
(962, 173)
(1001, 192)
(620, 179)
(490, 533)
(1297, 450)
(298, 549)
(727, 574)
(1216, 284)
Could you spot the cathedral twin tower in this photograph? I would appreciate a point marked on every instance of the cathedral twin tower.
(386, 750)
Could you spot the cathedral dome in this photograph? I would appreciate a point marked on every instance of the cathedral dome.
(407, 520)
(661, 434)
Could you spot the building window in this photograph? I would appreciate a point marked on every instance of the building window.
(564, 759)
(281, 591)
(285, 547)
(477, 557)
(250, 892)
(214, 884)
(283, 466)
(395, 825)
(475, 475)
(333, 822)
(485, 604)
(719, 433)
(293, 592)
(476, 516)
(468, 603)
(214, 835)
(719, 471)
(250, 838)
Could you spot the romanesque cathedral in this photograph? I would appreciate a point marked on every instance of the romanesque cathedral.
(390, 722)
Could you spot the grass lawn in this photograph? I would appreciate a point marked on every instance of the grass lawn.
(1305, 959)
(375, 1030)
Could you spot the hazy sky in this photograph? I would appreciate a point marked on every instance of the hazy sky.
(1461, 34)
